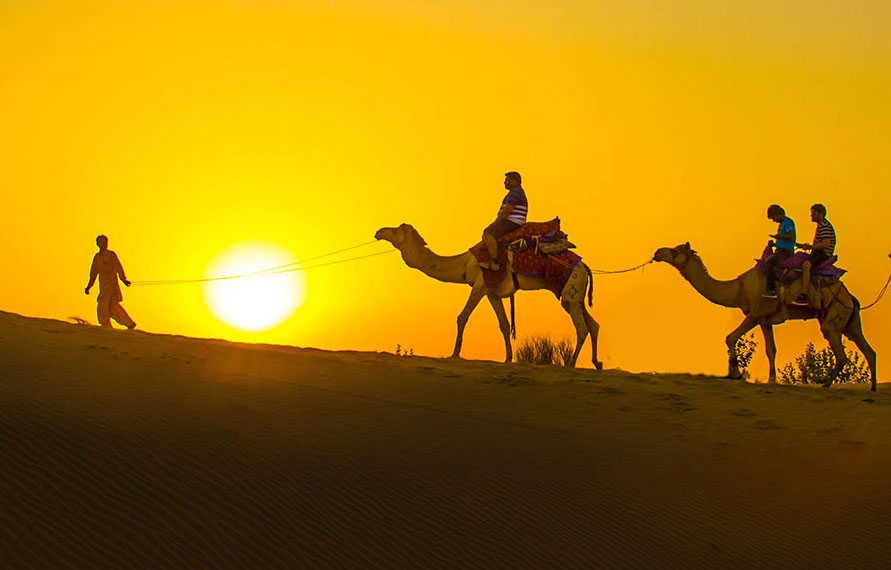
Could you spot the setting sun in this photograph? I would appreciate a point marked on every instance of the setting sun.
(258, 302)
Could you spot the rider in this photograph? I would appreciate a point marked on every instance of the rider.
(511, 215)
(785, 245)
(821, 250)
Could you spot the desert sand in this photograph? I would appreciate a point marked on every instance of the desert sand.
(133, 450)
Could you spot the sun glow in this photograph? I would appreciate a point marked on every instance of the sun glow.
(258, 302)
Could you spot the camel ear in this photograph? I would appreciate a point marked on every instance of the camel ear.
(687, 245)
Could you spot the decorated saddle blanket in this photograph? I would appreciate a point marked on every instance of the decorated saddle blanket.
(553, 268)
(796, 261)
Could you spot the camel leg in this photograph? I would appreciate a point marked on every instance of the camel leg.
(476, 295)
(576, 311)
(770, 346)
(832, 334)
(594, 329)
(744, 327)
(854, 331)
(503, 324)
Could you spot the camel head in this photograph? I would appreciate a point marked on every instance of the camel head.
(400, 236)
(677, 256)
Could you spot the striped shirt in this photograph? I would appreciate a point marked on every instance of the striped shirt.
(825, 231)
(517, 198)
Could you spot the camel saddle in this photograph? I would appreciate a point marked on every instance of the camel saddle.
(537, 249)
(789, 269)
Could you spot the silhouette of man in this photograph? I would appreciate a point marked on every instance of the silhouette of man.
(785, 245)
(108, 268)
(511, 215)
(821, 250)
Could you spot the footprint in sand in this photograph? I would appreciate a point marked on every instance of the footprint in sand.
(610, 391)
(513, 380)
(744, 413)
(767, 425)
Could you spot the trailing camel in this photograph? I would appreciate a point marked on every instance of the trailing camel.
(464, 268)
(839, 312)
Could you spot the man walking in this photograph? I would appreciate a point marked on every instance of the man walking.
(108, 268)
(511, 215)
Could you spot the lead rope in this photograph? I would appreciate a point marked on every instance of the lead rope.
(288, 267)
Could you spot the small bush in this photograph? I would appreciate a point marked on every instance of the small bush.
(745, 350)
(544, 350)
(813, 367)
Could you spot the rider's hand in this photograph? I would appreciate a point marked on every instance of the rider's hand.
(127, 283)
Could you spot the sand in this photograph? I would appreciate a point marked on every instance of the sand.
(133, 450)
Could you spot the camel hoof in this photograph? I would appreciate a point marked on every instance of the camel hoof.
(826, 384)
(598, 365)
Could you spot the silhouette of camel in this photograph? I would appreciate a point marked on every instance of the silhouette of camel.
(840, 313)
(464, 268)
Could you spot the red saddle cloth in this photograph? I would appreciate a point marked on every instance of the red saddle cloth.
(554, 269)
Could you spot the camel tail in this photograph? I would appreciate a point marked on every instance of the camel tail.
(590, 287)
(513, 325)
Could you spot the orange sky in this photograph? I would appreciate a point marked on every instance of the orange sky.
(181, 128)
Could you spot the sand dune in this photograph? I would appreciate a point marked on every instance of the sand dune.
(131, 450)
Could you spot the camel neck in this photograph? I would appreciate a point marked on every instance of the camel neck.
(450, 269)
(725, 293)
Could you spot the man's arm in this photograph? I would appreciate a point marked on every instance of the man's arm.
(788, 236)
(822, 244)
(505, 212)
(94, 271)
(121, 271)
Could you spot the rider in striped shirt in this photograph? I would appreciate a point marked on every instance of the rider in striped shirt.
(511, 215)
(821, 250)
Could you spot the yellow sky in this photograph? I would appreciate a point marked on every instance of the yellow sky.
(181, 128)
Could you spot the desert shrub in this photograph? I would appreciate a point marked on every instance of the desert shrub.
(545, 350)
(745, 350)
(815, 367)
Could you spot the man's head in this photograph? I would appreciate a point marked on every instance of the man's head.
(512, 180)
(776, 213)
(818, 213)
(102, 242)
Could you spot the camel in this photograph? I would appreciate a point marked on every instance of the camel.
(464, 268)
(840, 314)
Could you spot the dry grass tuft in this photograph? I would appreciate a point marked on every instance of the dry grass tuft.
(545, 350)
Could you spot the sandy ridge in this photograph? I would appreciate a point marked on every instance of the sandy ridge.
(125, 450)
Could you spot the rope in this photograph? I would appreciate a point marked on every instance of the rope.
(878, 298)
(274, 270)
(881, 294)
(635, 268)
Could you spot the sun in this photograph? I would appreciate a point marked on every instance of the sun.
(259, 302)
